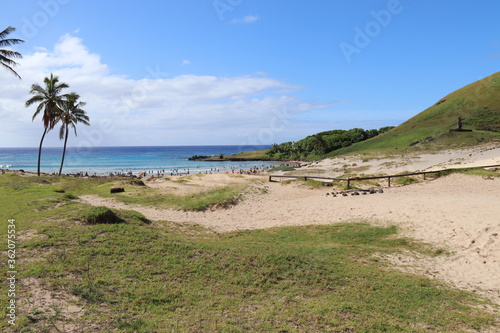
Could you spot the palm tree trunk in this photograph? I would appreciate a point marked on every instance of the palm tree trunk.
(40, 150)
(64, 149)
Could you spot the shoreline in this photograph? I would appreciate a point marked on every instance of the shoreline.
(103, 160)
(151, 173)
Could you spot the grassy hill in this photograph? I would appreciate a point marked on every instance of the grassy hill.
(253, 155)
(478, 104)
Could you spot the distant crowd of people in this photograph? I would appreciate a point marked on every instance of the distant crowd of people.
(186, 172)
(160, 173)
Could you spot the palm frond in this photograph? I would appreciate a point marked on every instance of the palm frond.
(5, 55)
(9, 54)
(38, 110)
(62, 131)
(10, 69)
(36, 89)
(50, 99)
(10, 42)
(33, 100)
(72, 97)
(6, 32)
(72, 112)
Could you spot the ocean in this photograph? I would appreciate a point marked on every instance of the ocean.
(103, 160)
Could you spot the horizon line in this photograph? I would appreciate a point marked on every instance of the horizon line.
(218, 145)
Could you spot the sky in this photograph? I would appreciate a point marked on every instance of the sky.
(241, 72)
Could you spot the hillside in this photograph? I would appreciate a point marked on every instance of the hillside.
(478, 104)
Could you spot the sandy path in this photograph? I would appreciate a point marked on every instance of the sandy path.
(458, 212)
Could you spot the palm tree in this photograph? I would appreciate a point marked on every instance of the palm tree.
(6, 55)
(50, 100)
(72, 114)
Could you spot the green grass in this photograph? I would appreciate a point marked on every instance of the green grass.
(164, 277)
(480, 172)
(405, 180)
(308, 182)
(312, 183)
(251, 155)
(223, 196)
(254, 155)
(220, 197)
(490, 173)
(283, 168)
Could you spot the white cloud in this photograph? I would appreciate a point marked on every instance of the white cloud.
(186, 62)
(155, 110)
(246, 20)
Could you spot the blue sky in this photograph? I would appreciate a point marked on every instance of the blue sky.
(239, 71)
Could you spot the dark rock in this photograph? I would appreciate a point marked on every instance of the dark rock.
(441, 101)
(116, 190)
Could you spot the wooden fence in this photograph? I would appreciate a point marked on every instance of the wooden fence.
(348, 180)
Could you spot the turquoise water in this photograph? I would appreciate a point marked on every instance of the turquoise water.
(103, 160)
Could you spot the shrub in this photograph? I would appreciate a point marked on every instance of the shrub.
(136, 182)
(69, 196)
(405, 180)
(132, 325)
(101, 215)
(132, 217)
(314, 183)
(90, 291)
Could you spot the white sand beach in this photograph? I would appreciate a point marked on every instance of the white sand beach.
(458, 213)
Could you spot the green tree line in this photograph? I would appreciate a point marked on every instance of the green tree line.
(322, 143)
